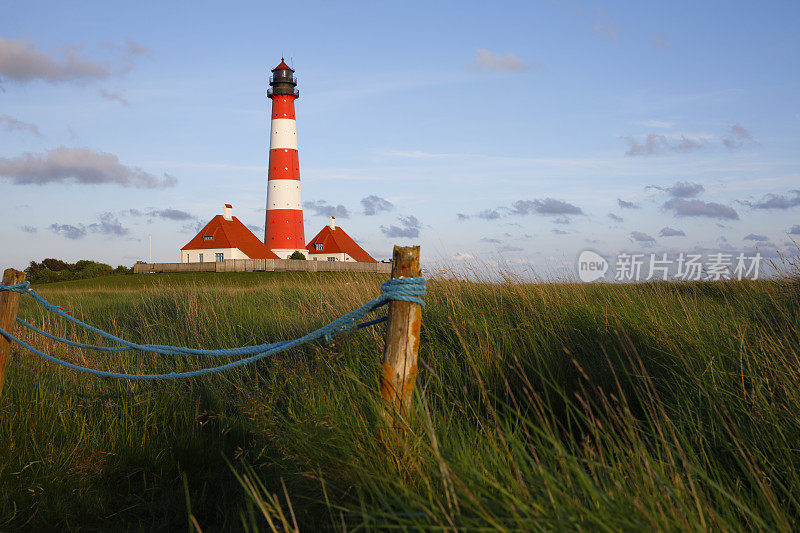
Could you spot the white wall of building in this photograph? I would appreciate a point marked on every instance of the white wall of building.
(327, 257)
(209, 255)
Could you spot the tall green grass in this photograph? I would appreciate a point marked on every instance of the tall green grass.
(539, 406)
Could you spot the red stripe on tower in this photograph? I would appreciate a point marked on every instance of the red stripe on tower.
(283, 231)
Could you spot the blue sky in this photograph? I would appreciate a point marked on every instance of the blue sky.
(506, 131)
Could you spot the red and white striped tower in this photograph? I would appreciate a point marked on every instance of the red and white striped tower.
(283, 231)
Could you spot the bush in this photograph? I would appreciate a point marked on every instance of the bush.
(297, 254)
(50, 270)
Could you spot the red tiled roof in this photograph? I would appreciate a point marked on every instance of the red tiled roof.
(283, 66)
(336, 241)
(230, 234)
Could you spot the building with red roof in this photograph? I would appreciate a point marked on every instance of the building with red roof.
(224, 237)
(333, 244)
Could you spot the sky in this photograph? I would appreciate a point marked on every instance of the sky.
(513, 133)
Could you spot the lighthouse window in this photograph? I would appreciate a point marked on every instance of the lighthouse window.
(318, 246)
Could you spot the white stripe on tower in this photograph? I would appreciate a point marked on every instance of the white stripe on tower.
(284, 194)
(283, 134)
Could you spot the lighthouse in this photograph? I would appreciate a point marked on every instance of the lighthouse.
(283, 230)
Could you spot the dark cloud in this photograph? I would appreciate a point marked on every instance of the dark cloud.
(509, 248)
(560, 231)
(486, 214)
(28, 229)
(794, 230)
(491, 240)
(78, 165)
(169, 214)
(681, 189)
(255, 229)
(627, 205)
(671, 232)
(775, 201)
(486, 60)
(489, 214)
(658, 144)
(699, 208)
(545, 206)
(737, 137)
(375, 204)
(108, 225)
(615, 218)
(409, 228)
(639, 236)
(323, 208)
(116, 97)
(194, 226)
(12, 125)
(757, 238)
(68, 231)
(23, 62)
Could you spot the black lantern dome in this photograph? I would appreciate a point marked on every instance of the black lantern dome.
(282, 80)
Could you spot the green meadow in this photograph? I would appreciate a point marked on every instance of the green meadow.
(546, 406)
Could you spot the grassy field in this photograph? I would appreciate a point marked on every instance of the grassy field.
(539, 407)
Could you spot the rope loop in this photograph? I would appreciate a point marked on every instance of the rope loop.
(21, 288)
(405, 289)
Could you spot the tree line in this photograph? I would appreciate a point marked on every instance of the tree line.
(50, 270)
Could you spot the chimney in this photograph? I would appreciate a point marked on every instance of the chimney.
(333, 223)
(227, 213)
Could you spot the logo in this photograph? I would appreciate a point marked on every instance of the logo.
(591, 266)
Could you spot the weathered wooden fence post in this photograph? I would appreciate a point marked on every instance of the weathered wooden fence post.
(399, 369)
(9, 304)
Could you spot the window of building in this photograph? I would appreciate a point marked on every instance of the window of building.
(219, 257)
(318, 246)
(201, 258)
(208, 237)
(331, 259)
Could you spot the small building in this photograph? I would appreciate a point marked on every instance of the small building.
(333, 244)
(224, 237)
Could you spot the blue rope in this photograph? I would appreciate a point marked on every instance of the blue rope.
(402, 289)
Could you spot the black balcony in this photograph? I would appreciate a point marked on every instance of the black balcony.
(270, 92)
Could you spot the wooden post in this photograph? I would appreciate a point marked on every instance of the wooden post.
(9, 303)
(399, 369)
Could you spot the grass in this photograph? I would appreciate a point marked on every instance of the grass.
(539, 406)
